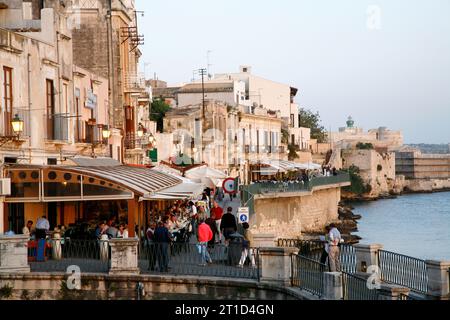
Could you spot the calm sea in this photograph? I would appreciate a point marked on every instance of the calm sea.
(417, 225)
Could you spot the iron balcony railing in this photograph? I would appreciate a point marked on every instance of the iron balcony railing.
(186, 259)
(314, 249)
(357, 288)
(308, 274)
(297, 185)
(57, 127)
(92, 256)
(403, 270)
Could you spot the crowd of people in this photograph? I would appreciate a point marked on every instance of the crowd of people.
(202, 223)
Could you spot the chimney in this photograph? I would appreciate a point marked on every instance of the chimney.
(245, 69)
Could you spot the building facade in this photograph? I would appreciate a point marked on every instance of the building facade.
(106, 41)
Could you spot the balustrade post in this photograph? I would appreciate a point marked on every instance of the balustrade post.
(263, 240)
(392, 292)
(124, 256)
(366, 256)
(276, 267)
(332, 286)
(438, 279)
(14, 254)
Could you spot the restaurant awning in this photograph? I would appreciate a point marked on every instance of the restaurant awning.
(282, 166)
(206, 175)
(40, 183)
(182, 191)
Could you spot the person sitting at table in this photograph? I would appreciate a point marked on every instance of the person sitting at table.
(123, 232)
(174, 226)
(27, 230)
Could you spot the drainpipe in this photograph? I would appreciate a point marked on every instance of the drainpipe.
(111, 67)
(29, 106)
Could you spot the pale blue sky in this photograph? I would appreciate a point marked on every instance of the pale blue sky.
(398, 76)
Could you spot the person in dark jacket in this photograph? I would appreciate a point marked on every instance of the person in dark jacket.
(211, 222)
(228, 224)
(162, 239)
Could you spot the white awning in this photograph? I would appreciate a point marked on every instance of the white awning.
(182, 191)
(282, 166)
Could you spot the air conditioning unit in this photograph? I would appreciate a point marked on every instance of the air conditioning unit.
(5, 187)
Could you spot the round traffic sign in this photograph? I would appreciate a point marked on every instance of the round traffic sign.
(229, 185)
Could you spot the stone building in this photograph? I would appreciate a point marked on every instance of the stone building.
(423, 172)
(63, 107)
(380, 138)
(106, 41)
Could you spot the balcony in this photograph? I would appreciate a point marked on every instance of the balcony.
(56, 127)
(275, 188)
(134, 83)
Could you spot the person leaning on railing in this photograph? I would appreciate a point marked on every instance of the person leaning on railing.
(334, 252)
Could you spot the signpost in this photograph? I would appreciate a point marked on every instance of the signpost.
(243, 215)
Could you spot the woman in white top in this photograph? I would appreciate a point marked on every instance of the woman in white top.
(123, 231)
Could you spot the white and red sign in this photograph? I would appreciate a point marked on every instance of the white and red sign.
(229, 186)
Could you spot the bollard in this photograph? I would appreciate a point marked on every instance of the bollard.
(104, 248)
(56, 246)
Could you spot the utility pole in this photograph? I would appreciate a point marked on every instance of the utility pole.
(203, 73)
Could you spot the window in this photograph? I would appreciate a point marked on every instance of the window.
(52, 161)
(66, 98)
(10, 160)
(50, 105)
(8, 99)
(292, 120)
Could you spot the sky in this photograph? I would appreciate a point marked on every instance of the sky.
(385, 63)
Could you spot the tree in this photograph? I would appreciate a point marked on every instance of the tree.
(309, 119)
(158, 110)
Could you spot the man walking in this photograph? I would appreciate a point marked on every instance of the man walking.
(205, 235)
(333, 255)
(228, 225)
(217, 211)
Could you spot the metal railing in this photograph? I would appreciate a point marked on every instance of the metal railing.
(59, 254)
(308, 274)
(314, 249)
(296, 186)
(403, 270)
(186, 259)
(356, 288)
(56, 127)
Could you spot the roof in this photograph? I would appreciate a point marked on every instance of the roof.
(208, 87)
(97, 162)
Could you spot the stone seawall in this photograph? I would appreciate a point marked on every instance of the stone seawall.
(52, 286)
(426, 185)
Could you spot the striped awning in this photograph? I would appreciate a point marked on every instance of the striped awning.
(141, 181)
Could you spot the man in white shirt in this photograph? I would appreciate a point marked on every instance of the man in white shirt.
(334, 253)
(42, 226)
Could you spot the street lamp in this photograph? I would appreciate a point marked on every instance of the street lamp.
(106, 133)
(17, 125)
(140, 131)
